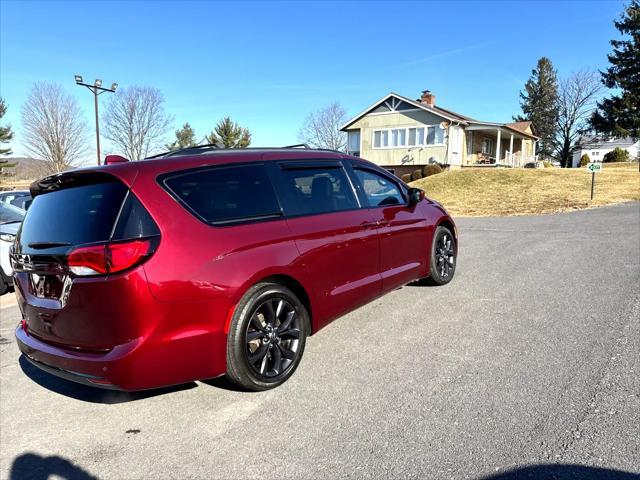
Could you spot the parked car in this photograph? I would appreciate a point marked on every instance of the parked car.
(19, 198)
(203, 262)
(10, 220)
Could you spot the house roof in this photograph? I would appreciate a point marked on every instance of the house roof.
(601, 141)
(446, 114)
(519, 127)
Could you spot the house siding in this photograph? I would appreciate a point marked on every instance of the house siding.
(390, 157)
(634, 152)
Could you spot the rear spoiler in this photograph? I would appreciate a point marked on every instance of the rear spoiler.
(79, 177)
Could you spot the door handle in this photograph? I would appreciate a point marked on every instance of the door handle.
(376, 224)
(369, 224)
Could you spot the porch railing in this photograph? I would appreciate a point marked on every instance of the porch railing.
(515, 160)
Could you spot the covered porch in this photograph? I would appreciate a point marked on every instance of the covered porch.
(492, 145)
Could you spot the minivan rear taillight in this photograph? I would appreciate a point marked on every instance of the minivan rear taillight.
(110, 258)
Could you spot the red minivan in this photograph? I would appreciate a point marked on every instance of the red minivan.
(204, 262)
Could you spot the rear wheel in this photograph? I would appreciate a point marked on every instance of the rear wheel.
(443, 257)
(267, 337)
(4, 286)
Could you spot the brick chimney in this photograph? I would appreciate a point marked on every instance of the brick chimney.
(428, 98)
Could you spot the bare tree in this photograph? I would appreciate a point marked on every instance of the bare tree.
(53, 127)
(576, 102)
(135, 121)
(321, 129)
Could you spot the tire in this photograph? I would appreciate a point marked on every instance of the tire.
(267, 337)
(444, 257)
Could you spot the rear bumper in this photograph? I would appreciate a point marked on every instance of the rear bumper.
(108, 370)
(76, 377)
(141, 364)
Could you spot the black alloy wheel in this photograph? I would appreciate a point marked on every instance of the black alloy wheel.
(267, 337)
(443, 256)
(273, 337)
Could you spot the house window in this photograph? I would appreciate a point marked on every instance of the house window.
(380, 138)
(398, 137)
(411, 137)
(416, 136)
(353, 143)
(595, 154)
(438, 135)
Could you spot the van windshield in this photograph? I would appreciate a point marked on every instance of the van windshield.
(73, 215)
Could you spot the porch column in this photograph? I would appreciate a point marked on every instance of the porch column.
(498, 147)
(511, 150)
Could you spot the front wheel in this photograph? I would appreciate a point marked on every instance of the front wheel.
(267, 337)
(443, 257)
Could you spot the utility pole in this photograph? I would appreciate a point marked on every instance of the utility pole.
(96, 89)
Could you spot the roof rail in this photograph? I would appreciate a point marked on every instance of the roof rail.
(299, 145)
(217, 146)
(307, 147)
(187, 150)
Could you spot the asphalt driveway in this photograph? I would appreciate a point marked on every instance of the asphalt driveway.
(529, 360)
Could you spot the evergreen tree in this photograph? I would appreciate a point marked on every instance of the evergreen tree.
(229, 134)
(619, 114)
(539, 103)
(185, 137)
(6, 134)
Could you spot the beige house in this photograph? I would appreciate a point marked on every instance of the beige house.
(402, 135)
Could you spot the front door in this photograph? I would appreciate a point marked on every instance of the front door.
(455, 145)
(403, 233)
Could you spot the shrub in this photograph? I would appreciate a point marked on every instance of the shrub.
(416, 175)
(584, 159)
(616, 155)
(431, 169)
(547, 164)
(406, 178)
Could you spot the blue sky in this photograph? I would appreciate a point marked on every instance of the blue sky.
(268, 65)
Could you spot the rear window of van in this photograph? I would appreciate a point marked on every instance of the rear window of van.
(73, 216)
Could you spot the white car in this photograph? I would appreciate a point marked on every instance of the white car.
(10, 221)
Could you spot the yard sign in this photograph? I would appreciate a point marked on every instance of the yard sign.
(593, 168)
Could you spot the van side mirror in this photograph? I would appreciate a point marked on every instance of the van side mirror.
(415, 196)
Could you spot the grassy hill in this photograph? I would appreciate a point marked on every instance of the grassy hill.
(25, 171)
(505, 191)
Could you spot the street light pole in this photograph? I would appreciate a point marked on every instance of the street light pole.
(96, 89)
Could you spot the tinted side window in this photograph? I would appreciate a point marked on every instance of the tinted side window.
(317, 190)
(134, 221)
(379, 190)
(227, 194)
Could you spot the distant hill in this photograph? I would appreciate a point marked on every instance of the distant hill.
(25, 169)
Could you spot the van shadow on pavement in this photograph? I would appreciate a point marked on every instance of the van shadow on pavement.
(30, 466)
(563, 472)
(90, 394)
